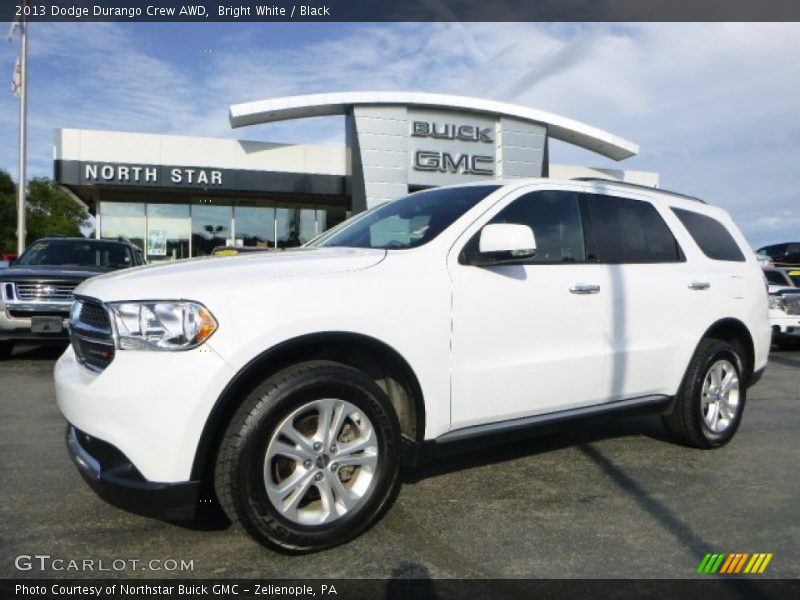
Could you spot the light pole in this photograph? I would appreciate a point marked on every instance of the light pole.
(23, 138)
(20, 88)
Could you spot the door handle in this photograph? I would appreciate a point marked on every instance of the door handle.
(699, 285)
(584, 288)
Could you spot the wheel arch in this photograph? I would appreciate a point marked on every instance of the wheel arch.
(735, 332)
(390, 370)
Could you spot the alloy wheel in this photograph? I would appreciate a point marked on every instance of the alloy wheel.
(321, 462)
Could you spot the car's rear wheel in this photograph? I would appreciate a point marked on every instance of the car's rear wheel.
(5, 350)
(709, 405)
(310, 459)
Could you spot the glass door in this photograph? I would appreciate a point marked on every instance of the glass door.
(211, 227)
(255, 226)
(168, 231)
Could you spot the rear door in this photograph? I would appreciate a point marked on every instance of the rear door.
(655, 299)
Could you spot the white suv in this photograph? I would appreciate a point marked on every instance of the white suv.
(784, 306)
(290, 387)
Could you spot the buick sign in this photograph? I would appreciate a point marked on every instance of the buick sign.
(451, 131)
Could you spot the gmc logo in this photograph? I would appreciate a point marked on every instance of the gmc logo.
(449, 131)
(444, 162)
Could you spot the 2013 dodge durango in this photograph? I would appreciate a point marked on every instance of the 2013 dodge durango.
(291, 386)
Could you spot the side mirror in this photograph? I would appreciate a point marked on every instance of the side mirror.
(505, 243)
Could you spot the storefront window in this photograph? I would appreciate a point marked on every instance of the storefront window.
(254, 226)
(287, 226)
(168, 231)
(123, 220)
(332, 217)
(308, 225)
(211, 227)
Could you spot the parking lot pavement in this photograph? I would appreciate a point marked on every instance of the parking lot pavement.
(609, 501)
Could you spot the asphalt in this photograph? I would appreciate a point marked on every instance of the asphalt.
(616, 500)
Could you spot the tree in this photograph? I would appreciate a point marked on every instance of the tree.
(50, 211)
(8, 213)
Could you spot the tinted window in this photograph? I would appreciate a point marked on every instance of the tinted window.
(77, 253)
(792, 253)
(631, 231)
(772, 251)
(711, 235)
(795, 277)
(555, 219)
(407, 222)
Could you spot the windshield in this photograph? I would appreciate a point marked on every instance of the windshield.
(77, 253)
(407, 222)
(776, 278)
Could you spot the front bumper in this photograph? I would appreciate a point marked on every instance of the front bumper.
(150, 406)
(16, 324)
(114, 478)
(785, 325)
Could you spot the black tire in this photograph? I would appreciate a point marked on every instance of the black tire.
(5, 350)
(239, 469)
(686, 423)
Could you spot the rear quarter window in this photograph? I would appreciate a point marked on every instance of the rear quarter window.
(710, 235)
(631, 231)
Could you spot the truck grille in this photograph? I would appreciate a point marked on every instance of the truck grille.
(45, 292)
(91, 334)
(792, 304)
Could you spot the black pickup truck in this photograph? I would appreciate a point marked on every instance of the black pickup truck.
(36, 290)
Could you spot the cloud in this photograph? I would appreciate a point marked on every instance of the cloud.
(778, 222)
(713, 105)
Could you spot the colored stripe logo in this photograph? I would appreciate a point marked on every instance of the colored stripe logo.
(736, 562)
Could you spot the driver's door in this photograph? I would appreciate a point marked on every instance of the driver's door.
(530, 338)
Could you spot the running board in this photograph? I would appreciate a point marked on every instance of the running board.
(528, 425)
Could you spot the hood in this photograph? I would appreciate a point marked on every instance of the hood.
(778, 290)
(185, 279)
(49, 273)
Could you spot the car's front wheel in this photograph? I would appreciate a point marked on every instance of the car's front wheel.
(710, 403)
(5, 350)
(311, 458)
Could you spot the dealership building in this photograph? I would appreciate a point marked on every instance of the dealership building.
(180, 196)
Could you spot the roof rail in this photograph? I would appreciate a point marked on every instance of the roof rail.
(638, 186)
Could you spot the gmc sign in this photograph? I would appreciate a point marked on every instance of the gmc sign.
(444, 162)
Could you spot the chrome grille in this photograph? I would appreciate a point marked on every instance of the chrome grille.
(792, 304)
(91, 334)
(45, 292)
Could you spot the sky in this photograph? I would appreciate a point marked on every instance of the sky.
(715, 107)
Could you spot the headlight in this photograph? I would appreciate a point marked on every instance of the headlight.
(162, 325)
(776, 302)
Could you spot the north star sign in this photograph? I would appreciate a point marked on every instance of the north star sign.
(447, 162)
(150, 175)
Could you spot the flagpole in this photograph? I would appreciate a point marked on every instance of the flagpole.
(23, 138)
